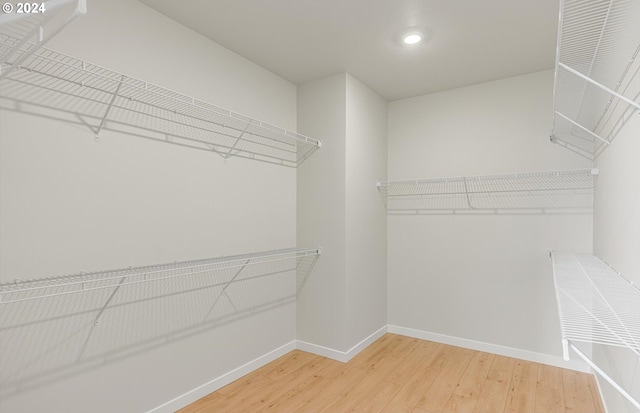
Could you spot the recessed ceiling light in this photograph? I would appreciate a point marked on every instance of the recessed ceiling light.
(412, 38)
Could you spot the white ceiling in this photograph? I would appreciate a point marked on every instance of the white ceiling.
(470, 41)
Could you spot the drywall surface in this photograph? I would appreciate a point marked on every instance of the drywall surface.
(366, 219)
(616, 240)
(344, 300)
(321, 212)
(69, 204)
(480, 277)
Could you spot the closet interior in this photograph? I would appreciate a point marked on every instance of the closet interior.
(57, 327)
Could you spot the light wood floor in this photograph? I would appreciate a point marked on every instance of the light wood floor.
(402, 374)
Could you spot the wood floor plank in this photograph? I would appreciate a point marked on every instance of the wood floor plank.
(330, 368)
(297, 397)
(522, 391)
(402, 374)
(411, 393)
(372, 377)
(407, 345)
(289, 362)
(376, 398)
(494, 393)
(202, 404)
(250, 381)
(376, 351)
(335, 389)
(406, 367)
(258, 400)
(436, 396)
(465, 395)
(549, 390)
(577, 394)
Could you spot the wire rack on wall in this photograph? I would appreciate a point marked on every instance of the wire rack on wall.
(27, 26)
(533, 192)
(53, 85)
(596, 305)
(204, 270)
(59, 326)
(597, 80)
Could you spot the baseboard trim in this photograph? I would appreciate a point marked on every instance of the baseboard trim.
(342, 356)
(221, 381)
(491, 348)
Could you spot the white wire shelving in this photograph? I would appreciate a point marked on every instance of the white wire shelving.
(28, 26)
(211, 272)
(597, 76)
(53, 85)
(596, 305)
(533, 192)
(54, 327)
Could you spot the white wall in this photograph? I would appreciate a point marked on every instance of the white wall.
(366, 224)
(68, 204)
(344, 300)
(616, 240)
(321, 211)
(479, 277)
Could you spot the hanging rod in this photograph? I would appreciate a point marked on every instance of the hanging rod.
(35, 289)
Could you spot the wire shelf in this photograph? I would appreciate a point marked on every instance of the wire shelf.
(596, 305)
(21, 34)
(50, 84)
(554, 191)
(54, 327)
(36, 289)
(597, 80)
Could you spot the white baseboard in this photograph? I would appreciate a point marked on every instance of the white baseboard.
(550, 360)
(342, 356)
(219, 382)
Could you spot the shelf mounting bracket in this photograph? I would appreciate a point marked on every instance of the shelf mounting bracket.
(224, 290)
(96, 321)
(106, 113)
(237, 140)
